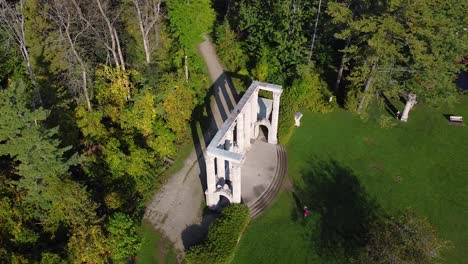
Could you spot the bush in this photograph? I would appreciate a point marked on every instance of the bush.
(387, 121)
(223, 236)
(123, 239)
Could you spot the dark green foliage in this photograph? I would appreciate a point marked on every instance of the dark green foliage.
(229, 48)
(39, 199)
(279, 28)
(124, 241)
(407, 41)
(10, 61)
(223, 237)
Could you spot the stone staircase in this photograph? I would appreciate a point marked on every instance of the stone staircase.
(266, 198)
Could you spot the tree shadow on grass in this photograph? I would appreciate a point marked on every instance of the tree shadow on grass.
(341, 207)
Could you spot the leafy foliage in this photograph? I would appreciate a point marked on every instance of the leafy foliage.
(229, 48)
(223, 236)
(189, 20)
(38, 193)
(124, 240)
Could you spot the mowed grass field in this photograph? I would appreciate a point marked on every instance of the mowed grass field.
(344, 169)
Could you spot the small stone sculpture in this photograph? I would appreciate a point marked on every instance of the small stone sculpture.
(297, 118)
(409, 104)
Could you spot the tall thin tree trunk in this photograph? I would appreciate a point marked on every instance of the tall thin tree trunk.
(37, 92)
(143, 33)
(186, 68)
(85, 89)
(340, 71)
(366, 88)
(315, 31)
(111, 32)
(26, 56)
(119, 50)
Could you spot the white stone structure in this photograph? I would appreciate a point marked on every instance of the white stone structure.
(225, 154)
(297, 118)
(409, 104)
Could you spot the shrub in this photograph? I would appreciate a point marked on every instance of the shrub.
(123, 239)
(386, 121)
(223, 237)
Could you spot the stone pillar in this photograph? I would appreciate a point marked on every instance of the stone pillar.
(211, 198)
(240, 132)
(236, 183)
(409, 104)
(273, 135)
(248, 125)
(254, 105)
(228, 143)
(221, 165)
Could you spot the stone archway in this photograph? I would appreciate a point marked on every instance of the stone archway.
(265, 123)
(233, 140)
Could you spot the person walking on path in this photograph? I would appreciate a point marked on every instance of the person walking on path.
(306, 212)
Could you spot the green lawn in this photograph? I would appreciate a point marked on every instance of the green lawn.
(345, 170)
(154, 249)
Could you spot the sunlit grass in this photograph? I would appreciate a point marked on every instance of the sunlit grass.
(422, 164)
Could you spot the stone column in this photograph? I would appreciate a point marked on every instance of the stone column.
(211, 198)
(221, 165)
(254, 105)
(228, 143)
(409, 104)
(248, 125)
(273, 136)
(240, 132)
(236, 183)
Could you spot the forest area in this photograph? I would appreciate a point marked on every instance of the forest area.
(351, 50)
(95, 95)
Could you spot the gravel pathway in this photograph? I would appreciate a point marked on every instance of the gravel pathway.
(176, 209)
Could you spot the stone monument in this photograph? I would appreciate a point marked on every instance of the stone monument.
(226, 152)
(297, 119)
(409, 104)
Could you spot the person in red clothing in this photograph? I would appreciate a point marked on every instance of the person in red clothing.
(306, 211)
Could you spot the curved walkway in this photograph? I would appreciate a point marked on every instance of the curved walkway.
(176, 209)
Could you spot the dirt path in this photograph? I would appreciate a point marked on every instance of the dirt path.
(176, 210)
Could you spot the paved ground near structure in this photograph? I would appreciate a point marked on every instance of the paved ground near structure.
(176, 209)
(258, 170)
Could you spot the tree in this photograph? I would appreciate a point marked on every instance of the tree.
(148, 14)
(124, 134)
(12, 20)
(72, 29)
(189, 20)
(406, 238)
(398, 47)
(38, 194)
(178, 105)
(124, 240)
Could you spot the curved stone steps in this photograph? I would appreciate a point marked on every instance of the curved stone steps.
(267, 197)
